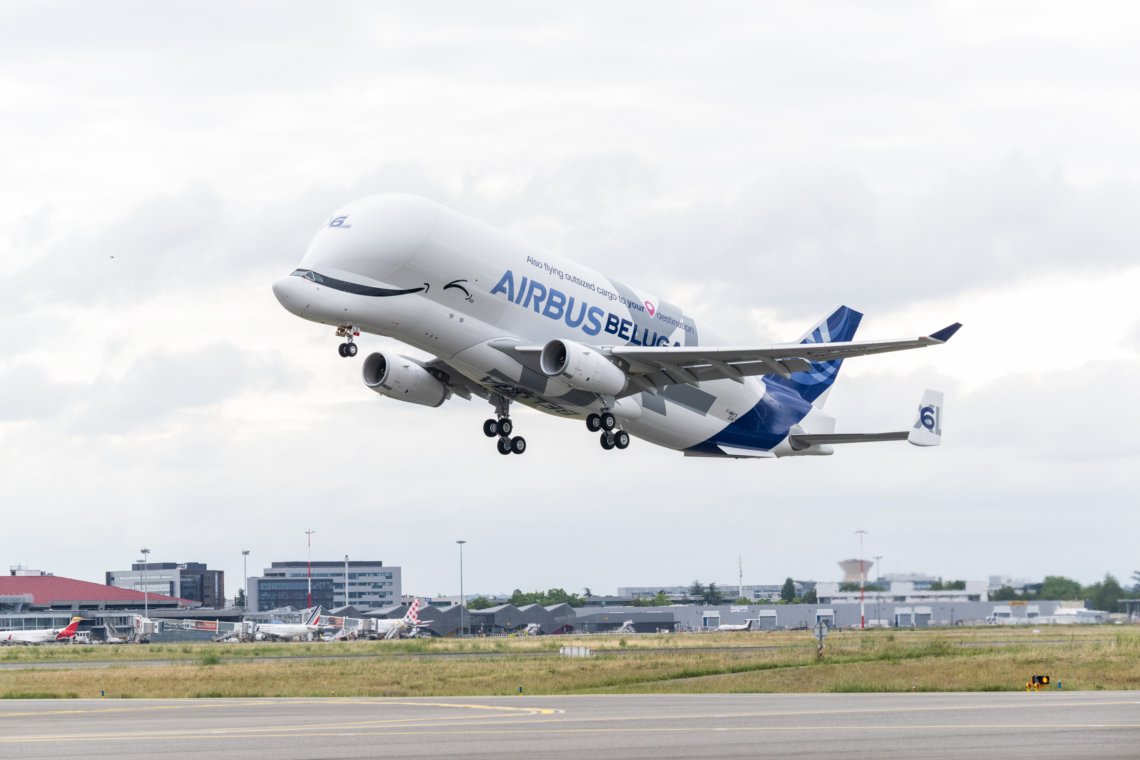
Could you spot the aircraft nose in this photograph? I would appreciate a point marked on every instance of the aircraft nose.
(281, 289)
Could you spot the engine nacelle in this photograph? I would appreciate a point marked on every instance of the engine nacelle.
(402, 379)
(581, 367)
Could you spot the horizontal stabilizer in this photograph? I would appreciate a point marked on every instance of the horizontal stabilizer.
(818, 439)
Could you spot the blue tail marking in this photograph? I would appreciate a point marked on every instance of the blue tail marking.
(837, 327)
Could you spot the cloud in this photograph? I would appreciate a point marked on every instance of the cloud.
(144, 395)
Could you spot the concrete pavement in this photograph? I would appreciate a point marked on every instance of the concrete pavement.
(1054, 724)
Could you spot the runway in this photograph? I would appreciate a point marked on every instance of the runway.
(1054, 724)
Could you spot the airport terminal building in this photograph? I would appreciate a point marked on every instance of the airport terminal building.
(364, 584)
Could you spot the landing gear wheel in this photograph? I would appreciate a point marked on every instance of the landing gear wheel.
(341, 348)
(593, 423)
(491, 428)
(607, 441)
(518, 444)
(609, 422)
(504, 446)
(621, 439)
(505, 426)
(350, 349)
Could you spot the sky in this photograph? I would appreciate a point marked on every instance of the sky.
(924, 163)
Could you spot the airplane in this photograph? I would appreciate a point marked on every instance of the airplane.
(409, 623)
(40, 636)
(510, 322)
(747, 626)
(289, 631)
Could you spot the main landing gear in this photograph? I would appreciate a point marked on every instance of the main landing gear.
(348, 348)
(502, 427)
(606, 422)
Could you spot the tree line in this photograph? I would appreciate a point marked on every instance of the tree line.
(1102, 595)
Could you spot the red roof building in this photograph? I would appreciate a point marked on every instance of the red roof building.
(32, 593)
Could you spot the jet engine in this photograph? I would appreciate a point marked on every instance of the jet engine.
(581, 367)
(402, 379)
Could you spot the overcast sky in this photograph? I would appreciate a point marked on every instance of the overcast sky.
(924, 163)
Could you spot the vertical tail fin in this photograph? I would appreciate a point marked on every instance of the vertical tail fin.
(69, 631)
(927, 430)
(413, 613)
(837, 327)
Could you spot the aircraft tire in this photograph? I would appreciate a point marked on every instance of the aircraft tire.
(505, 426)
(609, 421)
(504, 446)
(340, 349)
(593, 423)
(491, 428)
(518, 444)
(621, 439)
(607, 441)
(350, 349)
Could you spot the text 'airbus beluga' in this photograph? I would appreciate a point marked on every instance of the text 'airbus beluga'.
(510, 322)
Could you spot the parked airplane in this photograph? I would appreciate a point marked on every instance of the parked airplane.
(510, 322)
(747, 626)
(408, 624)
(289, 631)
(40, 635)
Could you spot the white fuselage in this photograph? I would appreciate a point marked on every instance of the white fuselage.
(286, 630)
(468, 294)
(33, 637)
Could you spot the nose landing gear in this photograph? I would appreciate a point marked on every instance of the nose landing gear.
(348, 348)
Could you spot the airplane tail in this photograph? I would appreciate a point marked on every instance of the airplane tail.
(413, 618)
(837, 327)
(69, 631)
(315, 617)
(927, 430)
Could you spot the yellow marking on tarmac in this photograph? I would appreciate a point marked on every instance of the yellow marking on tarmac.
(519, 712)
(526, 710)
(700, 729)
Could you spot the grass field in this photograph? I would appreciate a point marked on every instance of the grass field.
(998, 659)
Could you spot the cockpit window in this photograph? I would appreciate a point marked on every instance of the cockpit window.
(298, 272)
(308, 274)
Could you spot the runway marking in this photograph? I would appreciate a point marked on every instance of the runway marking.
(242, 703)
(695, 729)
(518, 712)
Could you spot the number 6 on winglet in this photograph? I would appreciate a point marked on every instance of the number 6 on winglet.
(927, 430)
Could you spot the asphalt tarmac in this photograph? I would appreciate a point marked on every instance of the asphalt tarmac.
(1039, 725)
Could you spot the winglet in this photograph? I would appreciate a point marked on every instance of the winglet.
(946, 332)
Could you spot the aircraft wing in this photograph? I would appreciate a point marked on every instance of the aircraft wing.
(455, 381)
(688, 364)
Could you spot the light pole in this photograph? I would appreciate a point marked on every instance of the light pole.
(346, 580)
(245, 578)
(462, 599)
(310, 533)
(146, 595)
(862, 580)
(879, 594)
